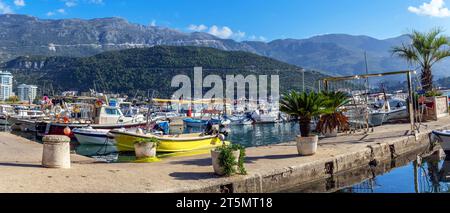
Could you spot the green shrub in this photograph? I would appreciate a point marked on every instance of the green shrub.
(228, 161)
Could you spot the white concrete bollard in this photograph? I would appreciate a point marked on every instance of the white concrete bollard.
(56, 152)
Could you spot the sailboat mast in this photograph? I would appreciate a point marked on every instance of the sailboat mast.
(367, 92)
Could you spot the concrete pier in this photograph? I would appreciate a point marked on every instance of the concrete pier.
(270, 168)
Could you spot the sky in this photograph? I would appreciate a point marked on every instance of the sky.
(262, 20)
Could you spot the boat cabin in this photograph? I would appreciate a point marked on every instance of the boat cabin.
(109, 115)
(6, 110)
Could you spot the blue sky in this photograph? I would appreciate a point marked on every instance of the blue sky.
(254, 19)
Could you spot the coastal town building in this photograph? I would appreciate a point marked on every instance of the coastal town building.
(6, 85)
(27, 92)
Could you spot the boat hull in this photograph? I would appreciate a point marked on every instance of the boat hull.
(194, 123)
(125, 142)
(444, 139)
(26, 125)
(3, 121)
(93, 138)
(58, 128)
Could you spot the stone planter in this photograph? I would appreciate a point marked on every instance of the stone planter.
(216, 163)
(437, 107)
(307, 145)
(331, 134)
(56, 153)
(145, 150)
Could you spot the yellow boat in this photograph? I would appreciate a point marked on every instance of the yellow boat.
(168, 143)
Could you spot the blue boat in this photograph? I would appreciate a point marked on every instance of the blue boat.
(190, 122)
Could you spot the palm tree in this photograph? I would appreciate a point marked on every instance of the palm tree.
(334, 117)
(425, 50)
(304, 106)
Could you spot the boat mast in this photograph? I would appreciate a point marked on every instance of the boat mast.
(367, 92)
(149, 106)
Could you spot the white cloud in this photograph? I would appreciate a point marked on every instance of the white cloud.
(62, 11)
(153, 23)
(198, 28)
(96, 1)
(19, 3)
(50, 13)
(4, 8)
(257, 38)
(436, 8)
(71, 3)
(239, 35)
(223, 32)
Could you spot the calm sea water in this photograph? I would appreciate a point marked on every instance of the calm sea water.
(429, 177)
(258, 135)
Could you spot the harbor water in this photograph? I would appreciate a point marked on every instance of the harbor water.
(407, 174)
(245, 135)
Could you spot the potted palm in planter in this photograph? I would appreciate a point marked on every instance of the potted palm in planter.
(304, 106)
(228, 160)
(334, 119)
(424, 51)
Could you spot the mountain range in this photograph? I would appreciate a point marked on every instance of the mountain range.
(333, 54)
(139, 70)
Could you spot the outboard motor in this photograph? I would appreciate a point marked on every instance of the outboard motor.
(162, 127)
(224, 130)
(211, 128)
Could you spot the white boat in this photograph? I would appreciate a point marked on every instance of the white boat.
(5, 112)
(91, 136)
(443, 137)
(164, 115)
(25, 115)
(396, 110)
(260, 116)
(26, 120)
(239, 120)
(108, 117)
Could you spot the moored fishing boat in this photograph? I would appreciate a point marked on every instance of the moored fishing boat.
(91, 136)
(25, 115)
(190, 122)
(106, 117)
(443, 137)
(239, 120)
(261, 116)
(395, 109)
(5, 112)
(168, 143)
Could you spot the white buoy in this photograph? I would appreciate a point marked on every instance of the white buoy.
(56, 153)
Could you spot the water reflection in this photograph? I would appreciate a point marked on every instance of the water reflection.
(427, 175)
(407, 174)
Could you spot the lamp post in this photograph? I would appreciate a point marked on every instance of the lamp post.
(303, 78)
